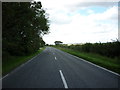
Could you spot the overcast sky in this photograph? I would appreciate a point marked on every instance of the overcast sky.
(75, 21)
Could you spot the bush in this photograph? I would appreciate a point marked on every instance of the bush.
(109, 49)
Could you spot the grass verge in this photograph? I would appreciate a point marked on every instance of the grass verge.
(15, 61)
(109, 63)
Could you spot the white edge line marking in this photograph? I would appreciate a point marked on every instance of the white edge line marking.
(19, 67)
(63, 79)
(95, 65)
(4, 77)
(55, 58)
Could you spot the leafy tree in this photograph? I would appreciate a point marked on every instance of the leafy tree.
(58, 42)
(24, 24)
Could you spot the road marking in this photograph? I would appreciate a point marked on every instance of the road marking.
(4, 77)
(99, 67)
(63, 79)
(95, 65)
(55, 58)
(19, 67)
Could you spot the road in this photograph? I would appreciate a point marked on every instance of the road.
(54, 68)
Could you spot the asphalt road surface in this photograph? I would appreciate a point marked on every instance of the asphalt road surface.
(54, 68)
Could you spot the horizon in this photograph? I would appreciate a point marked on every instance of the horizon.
(81, 22)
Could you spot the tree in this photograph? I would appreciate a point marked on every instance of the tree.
(23, 25)
(58, 42)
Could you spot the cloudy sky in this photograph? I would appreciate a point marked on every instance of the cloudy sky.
(75, 21)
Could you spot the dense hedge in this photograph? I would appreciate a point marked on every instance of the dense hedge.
(109, 49)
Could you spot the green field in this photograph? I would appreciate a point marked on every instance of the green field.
(109, 63)
(14, 61)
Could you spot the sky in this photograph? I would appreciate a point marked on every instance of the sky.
(75, 21)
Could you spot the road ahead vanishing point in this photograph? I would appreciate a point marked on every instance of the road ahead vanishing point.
(56, 69)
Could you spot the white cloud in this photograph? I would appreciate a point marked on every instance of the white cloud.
(59, 16)
(70, 26)
(90, 11)
(110, 14)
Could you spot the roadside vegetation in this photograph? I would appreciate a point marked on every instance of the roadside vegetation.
(12, 62)
(23, 24)
(106, 55)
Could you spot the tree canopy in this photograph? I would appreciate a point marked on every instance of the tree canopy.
(23, 24)
(58, 42)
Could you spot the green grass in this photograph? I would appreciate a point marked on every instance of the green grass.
(14, 61)
(109, 63)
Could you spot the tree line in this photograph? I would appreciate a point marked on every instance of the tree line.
(109, 49)
(23, 25)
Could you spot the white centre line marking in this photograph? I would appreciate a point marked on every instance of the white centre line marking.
(55, 58)
(63, 79)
